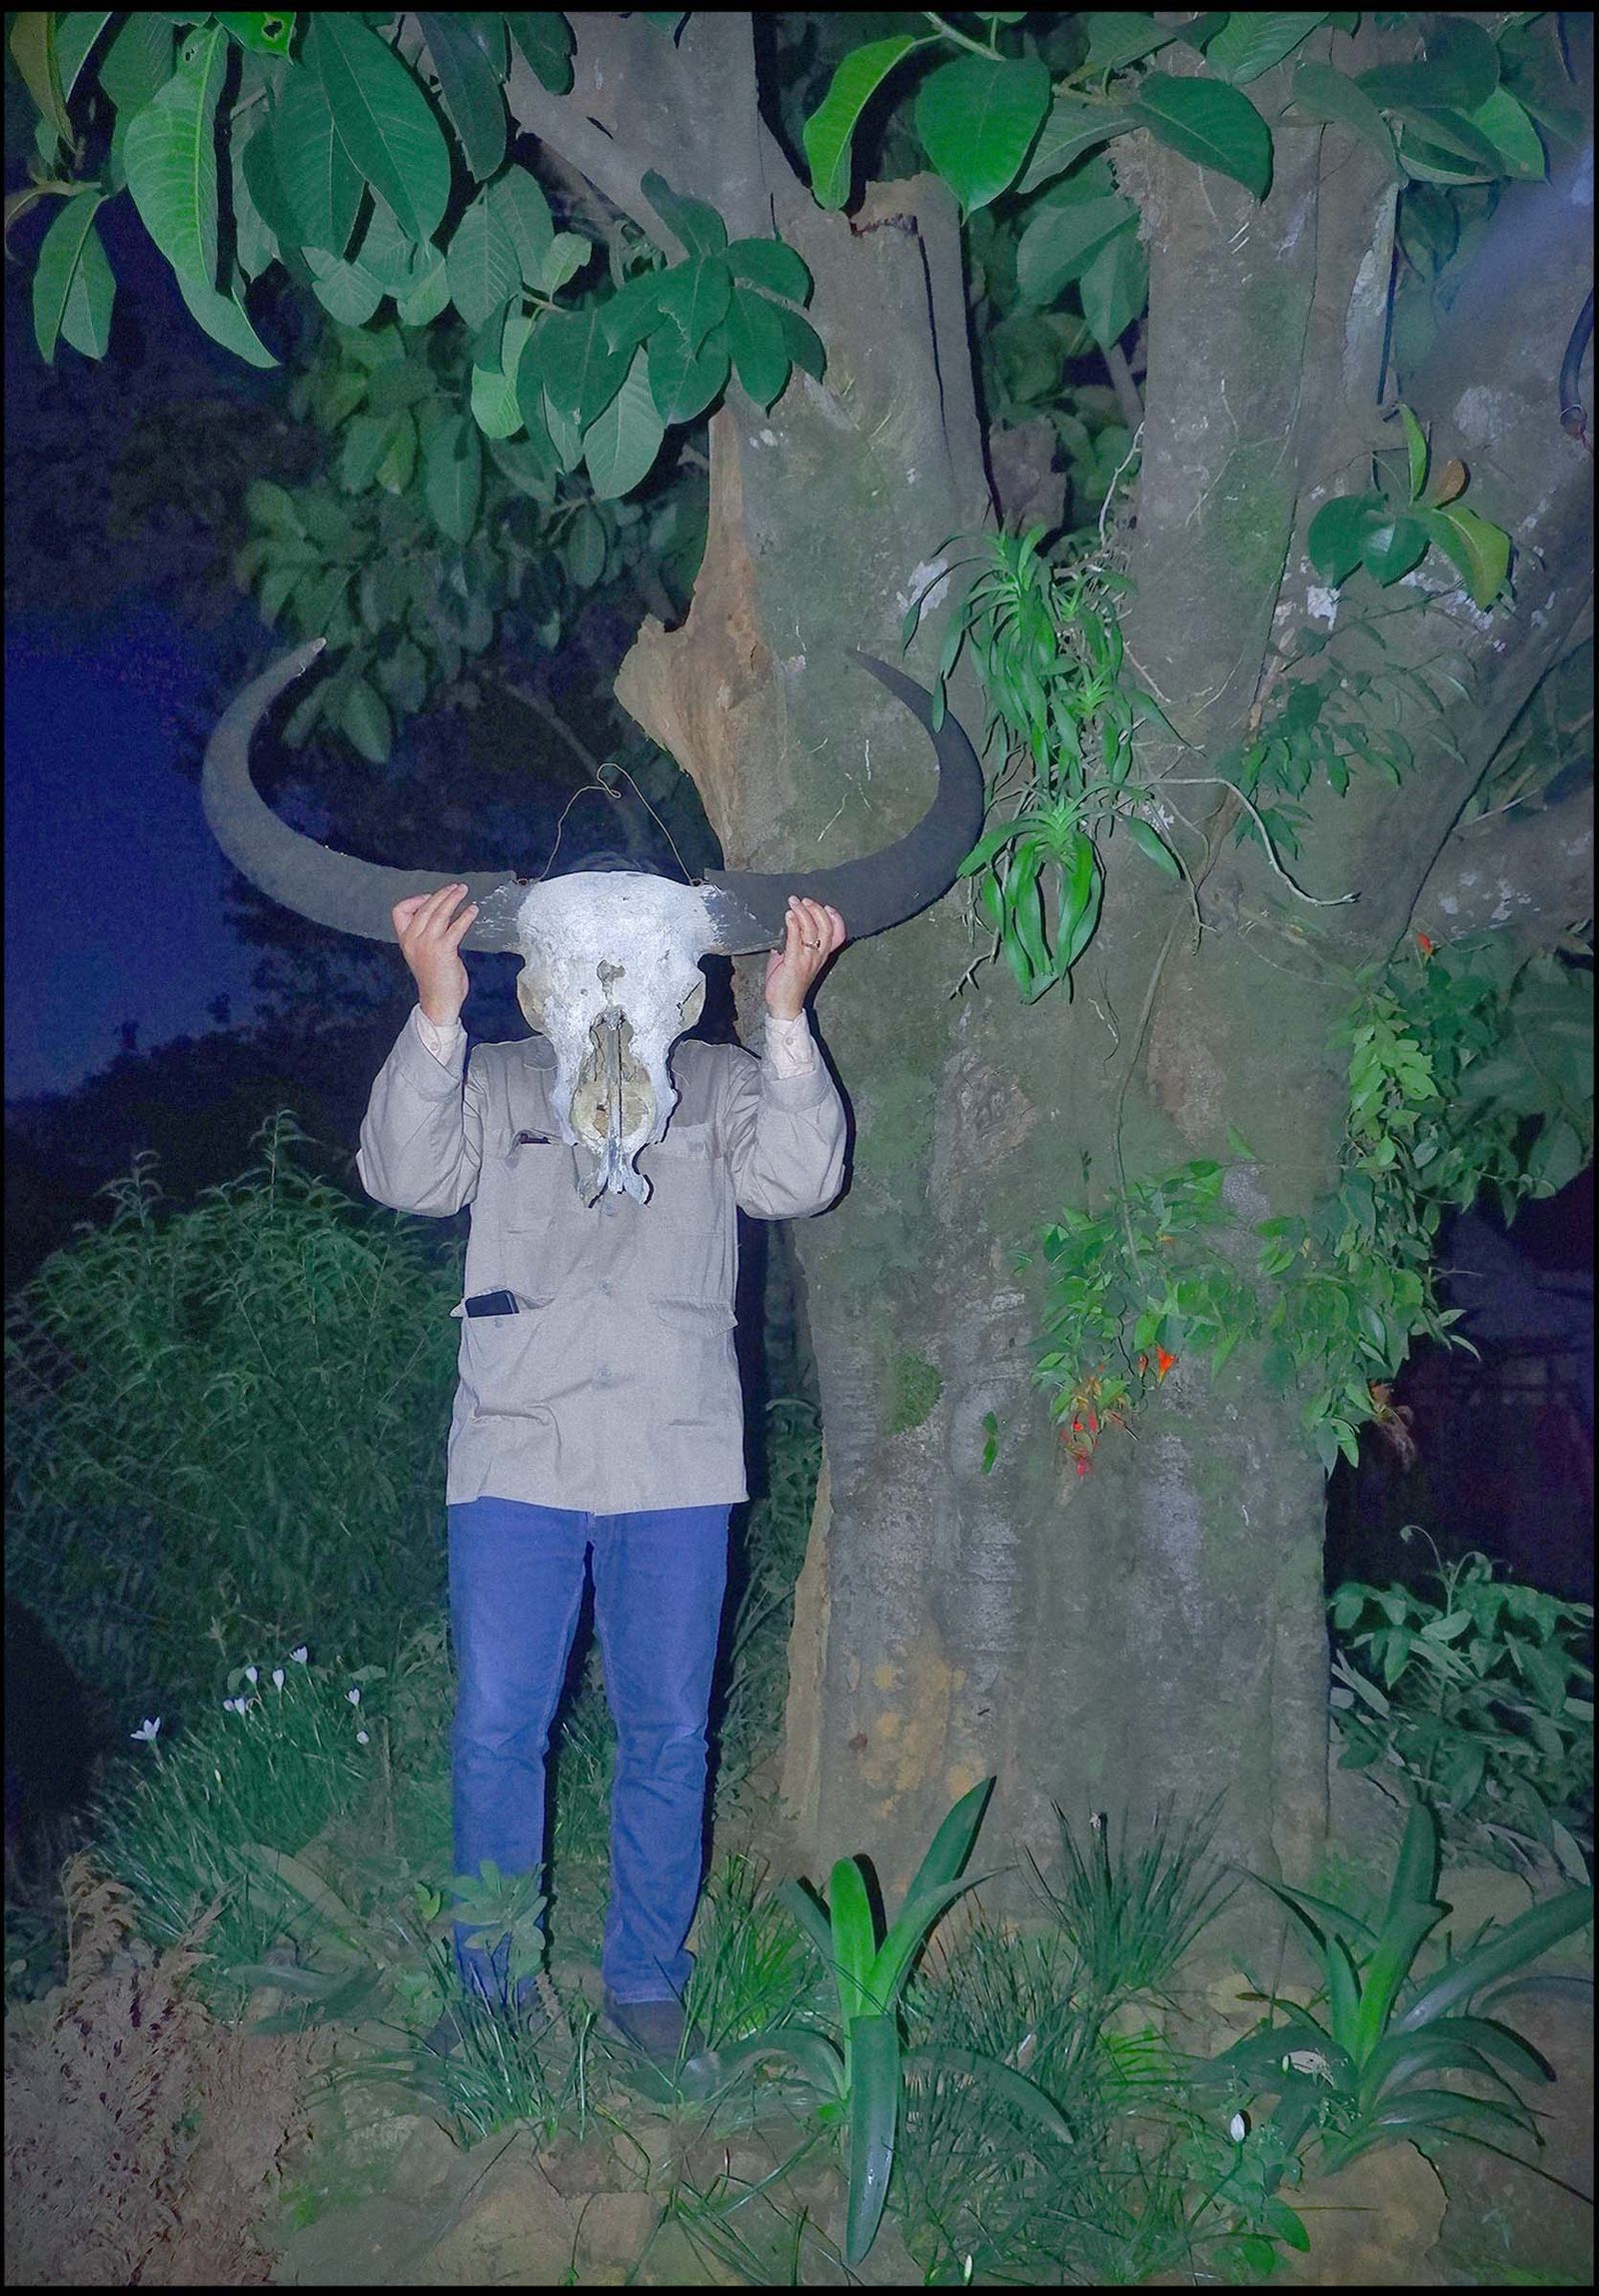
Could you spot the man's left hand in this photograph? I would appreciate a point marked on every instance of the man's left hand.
(813, 937)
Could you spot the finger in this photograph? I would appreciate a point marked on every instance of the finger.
(836, 922)
(457, 932)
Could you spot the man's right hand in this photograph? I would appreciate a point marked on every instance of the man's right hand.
(430, 936)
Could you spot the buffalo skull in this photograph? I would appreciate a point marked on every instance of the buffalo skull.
(611, 959)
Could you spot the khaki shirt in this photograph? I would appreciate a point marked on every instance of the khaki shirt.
(614, 1387)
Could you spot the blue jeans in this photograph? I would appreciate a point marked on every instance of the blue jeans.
(516, 1586)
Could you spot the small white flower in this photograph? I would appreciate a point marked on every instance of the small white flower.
(148, 1732)
(298, 1658)
(353, 1693)
(277, 1678)
(362, 1738)
(233, 1706)
(1238, 2127)
(251, 1677)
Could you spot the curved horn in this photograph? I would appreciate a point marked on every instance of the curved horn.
(330, 888)
(883, 888)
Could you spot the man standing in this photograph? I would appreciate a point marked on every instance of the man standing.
(598, 1417)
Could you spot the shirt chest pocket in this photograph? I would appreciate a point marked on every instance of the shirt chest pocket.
(533, 1177)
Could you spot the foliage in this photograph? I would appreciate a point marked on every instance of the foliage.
(1130, 1918)
(1390, 532)
(1481, 1701)
(858, 2066)
(224, 1425)
(773, 1548)
(1362, 2075)
(1470, 1068)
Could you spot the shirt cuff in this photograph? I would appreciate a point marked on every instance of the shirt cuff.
(790, 1047)
(442, 1043)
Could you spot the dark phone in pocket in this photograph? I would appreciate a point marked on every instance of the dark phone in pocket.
(493, 1304)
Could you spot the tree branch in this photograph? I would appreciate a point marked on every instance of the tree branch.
(562, 124)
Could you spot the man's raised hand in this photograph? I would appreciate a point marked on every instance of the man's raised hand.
(430, 936)
(812, 935)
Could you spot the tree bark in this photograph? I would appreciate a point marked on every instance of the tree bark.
(1153, 1633)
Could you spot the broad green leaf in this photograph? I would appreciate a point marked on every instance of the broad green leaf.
(61, 253)
(451, 476)
(977, 118)
(481, 262)
(1210, 124)
(77, 30)
(1452, 134)
(1480, 550)
(623, 443)
(528, 464)
(138, 61)
(806, 347)
(1427, 162)
(495, 409)
(772, 263)
(1061, 238)
(319, 182)
(468, 88)
(519, 202)
(565, 256)
(1506, 125)
(33, 50)
(366, 439)
(1119, 36)
(1322, 93)
(364, 715)
(951, 1846)
(382, 118)
(345, 291)
(1153, 846)
(386, 252)
(760, 353)
(264, 31)
(393, 472)
(1074, 125)
(683, 383)
(545, 38)
(257, 162)
(813, 2056)
(854, 1940)
(584, 551)
(698, 225)
(1415, 453)
(429, 291)
(875, 2088)
(1253, 39)
(255, 241)
(86, 319)
(1116, 286)
(1338, 531)
(1501, 1954)
(580, 371)
(800, 1902)
(171, 158)
(829, 133)
(1392, 547)
(695, 295)
(1466, 53)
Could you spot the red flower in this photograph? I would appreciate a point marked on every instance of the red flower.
(1426, 943)
(1164, 1361)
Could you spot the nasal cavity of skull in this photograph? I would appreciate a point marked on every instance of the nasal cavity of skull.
(607, 973)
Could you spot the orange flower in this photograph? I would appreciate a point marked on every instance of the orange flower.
(1426, 943)
(1164, 1361)
(1082, 1466)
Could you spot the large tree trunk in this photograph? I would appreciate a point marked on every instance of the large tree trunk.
(1153, 1632)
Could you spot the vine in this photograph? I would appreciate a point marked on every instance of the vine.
(1470, 1070)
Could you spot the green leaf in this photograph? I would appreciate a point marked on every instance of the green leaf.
(568, 252)
(621, 444)
(495, 406)
(1464, 53)
(1501, 1954)
(1415, 453)
(874, 2088)
(346, 290)
(804, 343)
(481, 262)
(694, 296)
(827, 134)
(61, 252)
(580, 371)
(1322, 93)
(1480, 549)
(382, 118)
(86, 317)
(683, 383)
(772, 263)
(76, 31)
(696, 224)
(33, 50)
(759, 351)
(517, 200)
(364, 715)
(1153, 846)
(468, 88)
(171, 158)
(1024, 2098)
(854, 1940)
(1074, 125)
(138, 61)
(1212, 125)
(1119, 36)
(318, 183)
(429, 291)
(1339, 532)
(1253, 39)
(1061, 238)
(545, 38)
(264, 31)
(977, 118)
(451, 476)
(1116, 287)
(1506, 125)
(1391, 547)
